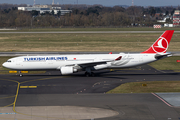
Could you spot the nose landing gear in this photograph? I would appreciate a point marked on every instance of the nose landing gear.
(20, 74)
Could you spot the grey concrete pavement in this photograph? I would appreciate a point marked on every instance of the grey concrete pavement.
(78, 97)
(170, 98)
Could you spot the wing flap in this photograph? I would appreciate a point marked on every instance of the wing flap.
(90, 64)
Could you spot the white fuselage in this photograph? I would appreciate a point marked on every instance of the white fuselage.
(56, 62)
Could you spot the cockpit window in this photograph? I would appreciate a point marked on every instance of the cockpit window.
(9, 61)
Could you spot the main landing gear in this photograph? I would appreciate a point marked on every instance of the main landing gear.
(91, 74)
(88, 72)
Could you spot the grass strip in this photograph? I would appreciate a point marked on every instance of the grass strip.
(147, 87)
(82, 42)
(169, 63)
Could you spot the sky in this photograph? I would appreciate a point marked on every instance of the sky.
(102, 2)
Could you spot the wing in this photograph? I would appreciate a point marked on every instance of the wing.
(91, 64)
(98, 62)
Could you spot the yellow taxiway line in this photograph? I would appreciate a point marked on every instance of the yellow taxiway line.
(28, 86)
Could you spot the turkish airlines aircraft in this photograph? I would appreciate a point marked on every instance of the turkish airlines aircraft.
(68, 64)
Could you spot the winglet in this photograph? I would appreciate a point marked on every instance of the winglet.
(161, 44)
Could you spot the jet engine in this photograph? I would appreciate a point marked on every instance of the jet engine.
(67, 70)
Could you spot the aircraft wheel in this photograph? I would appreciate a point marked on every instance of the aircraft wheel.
(92, 74)
(87, 74)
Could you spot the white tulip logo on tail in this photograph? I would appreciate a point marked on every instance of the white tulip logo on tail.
(161, 45)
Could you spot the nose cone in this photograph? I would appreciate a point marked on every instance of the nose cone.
(4, 64)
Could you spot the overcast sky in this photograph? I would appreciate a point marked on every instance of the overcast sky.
(102, 2)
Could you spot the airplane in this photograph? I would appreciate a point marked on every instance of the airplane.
(68, 64)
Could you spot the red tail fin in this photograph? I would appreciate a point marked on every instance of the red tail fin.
(161, 44)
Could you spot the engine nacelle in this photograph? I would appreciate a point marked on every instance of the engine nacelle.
(67, 70)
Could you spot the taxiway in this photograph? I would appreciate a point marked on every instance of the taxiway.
(75, 96)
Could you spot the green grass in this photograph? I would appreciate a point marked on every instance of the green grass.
(82, 42)
(154, 86)
(167, 64)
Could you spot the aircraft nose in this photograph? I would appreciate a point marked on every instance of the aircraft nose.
(4, 64)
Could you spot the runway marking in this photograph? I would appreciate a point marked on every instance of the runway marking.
(17, 93)
(8, 97)
(24, 86)
(40, 79)
(32, 86)
(97, 83)
(8, 105)
(162, 100)
(7, 113)
(28, 86)
(10, 80)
